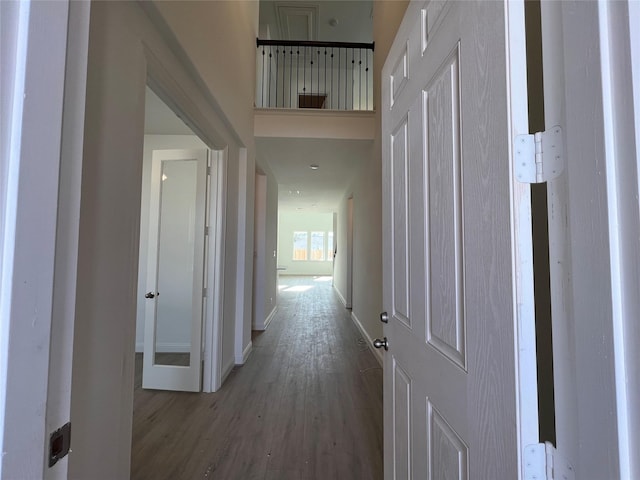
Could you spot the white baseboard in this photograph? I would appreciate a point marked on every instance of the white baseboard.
(262, 327)
(344, 302)
(226, 370)
(241, 359)
(377, 352)
(270, 317)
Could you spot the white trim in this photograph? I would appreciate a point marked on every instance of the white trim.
(622, 209)
(350, 229)
(173, 347)
(617, 302)
(523, 306)
(376, 351)
(68, 228)
(564, 374)
(242, 359)
(226, 370)
(37, 46)
(167, 347)
(212, 376)
(344, 302)
(267, 320)
(241, 254)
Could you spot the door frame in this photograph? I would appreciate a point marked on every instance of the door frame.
(593, 228)
(167, 88)
(216, 228)
(349, 292)
(258, 315)
(156, 375)
(43, 151)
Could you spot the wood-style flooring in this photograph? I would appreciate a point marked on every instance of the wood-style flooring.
(306, 405)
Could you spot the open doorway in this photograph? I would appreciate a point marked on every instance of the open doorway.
(349, 297)
(265, 245)
(178, 254)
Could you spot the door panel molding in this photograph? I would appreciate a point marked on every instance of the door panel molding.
(447, 176)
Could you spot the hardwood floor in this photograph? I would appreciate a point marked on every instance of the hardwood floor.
(306, 405)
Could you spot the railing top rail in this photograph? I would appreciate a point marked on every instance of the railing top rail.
(311, 43)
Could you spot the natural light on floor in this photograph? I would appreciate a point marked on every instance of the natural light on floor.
(322, 279)
(297, 288)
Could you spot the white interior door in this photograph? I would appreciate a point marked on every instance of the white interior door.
(460, 383)
(173, 313)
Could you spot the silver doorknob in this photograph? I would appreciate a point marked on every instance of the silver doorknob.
(149, 295)
(384, 317)
(381, 343)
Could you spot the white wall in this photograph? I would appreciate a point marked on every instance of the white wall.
(152, 142)
(224, 32)
(123, 42)
(289, 222)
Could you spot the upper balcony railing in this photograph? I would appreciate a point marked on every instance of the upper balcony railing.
(320, 75)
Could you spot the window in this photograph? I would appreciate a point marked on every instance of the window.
(313, 246)
(299, 245)
(317, 245)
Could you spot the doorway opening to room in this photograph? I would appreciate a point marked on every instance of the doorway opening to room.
(178, 254)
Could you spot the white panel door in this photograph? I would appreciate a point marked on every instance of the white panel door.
(460, 390)
(174, 307)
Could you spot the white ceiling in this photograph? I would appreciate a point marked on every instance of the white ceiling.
(303, 189)
(354, 19)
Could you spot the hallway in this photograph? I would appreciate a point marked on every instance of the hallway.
(307, 404)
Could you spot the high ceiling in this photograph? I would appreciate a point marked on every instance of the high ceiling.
(323, 20)
(301, 188)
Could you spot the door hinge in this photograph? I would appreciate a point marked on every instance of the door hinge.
(204, 292)
(543, 462)
(539, 157)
